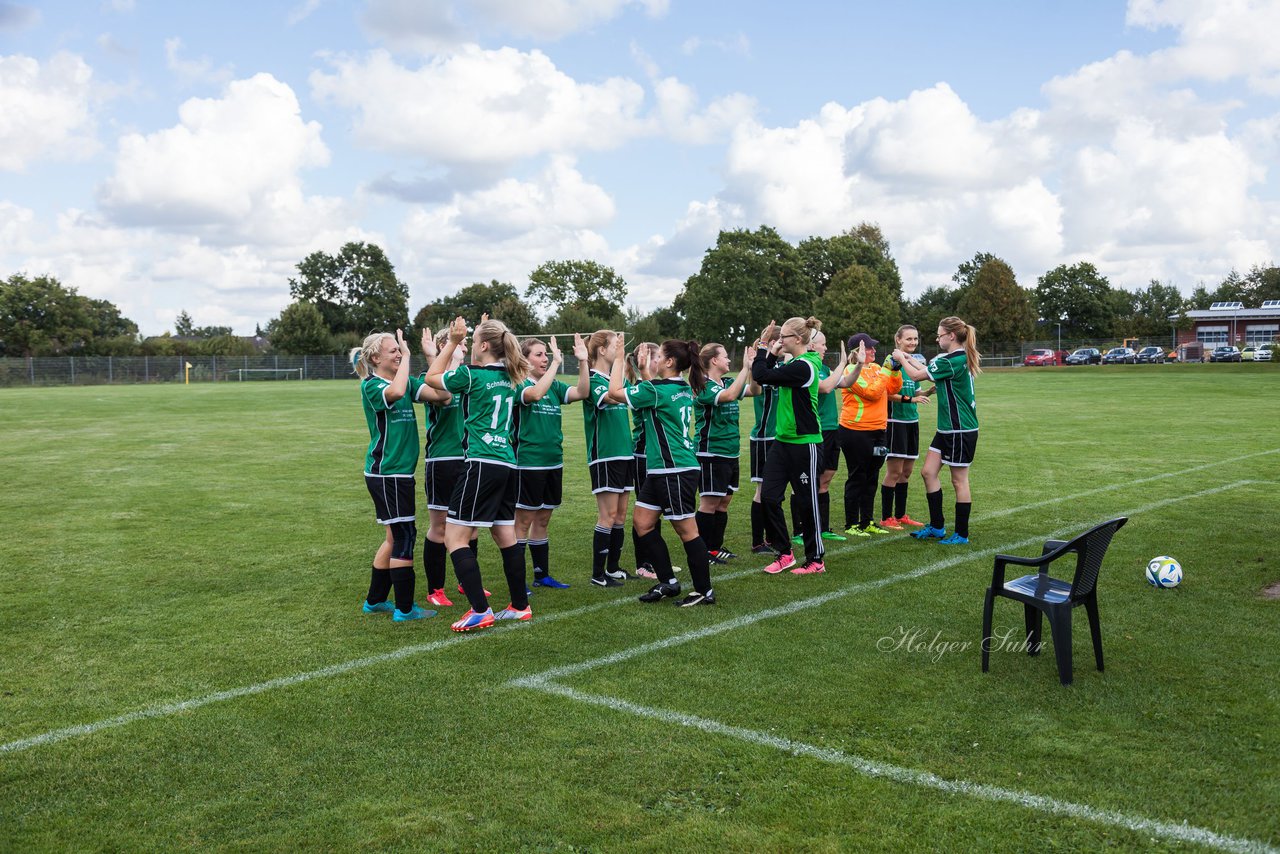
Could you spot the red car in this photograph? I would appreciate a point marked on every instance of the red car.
(1041, 358)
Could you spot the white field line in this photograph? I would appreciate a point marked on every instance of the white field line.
(966, 556)
(166, 709)
(912, 777)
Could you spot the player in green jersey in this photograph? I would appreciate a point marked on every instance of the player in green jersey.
(719, 441)
(765, 404)
(829, 415)
(903, 436)
(609, 459)
(387, 394)
(485, 495)
(952, 372)
(671, 484)
(539, 449)
(794, 458)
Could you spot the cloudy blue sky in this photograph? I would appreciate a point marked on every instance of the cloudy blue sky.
(171, 156)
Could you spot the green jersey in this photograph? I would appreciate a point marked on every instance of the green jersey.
(717, 425)
(828, 407)
(666, 408)
(637, 433)
(765, 405)
(903, 412)
(488, 406)
(539, 435)
(957, 409)
(393, 427)
(444, 430)
(608, 436)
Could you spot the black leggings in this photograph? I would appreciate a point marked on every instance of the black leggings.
(864, 467)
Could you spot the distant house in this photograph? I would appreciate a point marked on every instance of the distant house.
(1232, 323)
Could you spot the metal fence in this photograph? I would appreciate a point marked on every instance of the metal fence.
(103, 370)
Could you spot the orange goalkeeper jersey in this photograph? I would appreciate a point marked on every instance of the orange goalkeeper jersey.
(865, 404)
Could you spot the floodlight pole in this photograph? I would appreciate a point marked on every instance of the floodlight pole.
(1059, 325)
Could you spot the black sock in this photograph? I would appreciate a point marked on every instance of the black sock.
(705, 522)
(617, 539)
(540, 555)
(433, 557)
(379, 586)
(642, 554)
(962, 518)
(886, 502)
(513, 568)
(655, 549)
(795, 515)
(824, 510)
(775, 522)
(757, 523)
(900, 500)
(695, 552)
(474, 545)
(722, 522)
(467, 568)
(402, 579)
(599, 550)
(936, 519)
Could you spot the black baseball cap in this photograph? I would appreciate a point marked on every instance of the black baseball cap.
(862, 338)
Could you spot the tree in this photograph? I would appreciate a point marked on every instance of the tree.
(927, 310)
(1262, 284)
(224, 345)
(355, 291)
(968, 270)
(496, 299)
(997, 307)
(748, 278)
(872, 251)
(571, 318)
(183, 326)
(822, 257)
(299, 330)
(1124, 313)
(1154, 305)
(857, 301)
(1078, 296)
(41, 317)
(585, 286)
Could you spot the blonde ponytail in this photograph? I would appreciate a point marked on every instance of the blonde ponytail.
(361, 357)
(968, 336)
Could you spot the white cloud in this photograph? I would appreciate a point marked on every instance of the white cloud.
(679, 118)
(46, 111)
(193, 70)
(480, 106)
(302, 11)
(430, 25)
(230, 167)
(737, 44)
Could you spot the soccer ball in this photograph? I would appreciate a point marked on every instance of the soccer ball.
(1164, 571)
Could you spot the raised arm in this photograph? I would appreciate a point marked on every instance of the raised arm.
(617, 378)
(913, 369)
(737, 388)
(538, 390)
(583, 389)
(400, 384)
(427, 394)
(435, 374)
(833, 382)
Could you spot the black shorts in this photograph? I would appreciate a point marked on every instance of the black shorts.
(612, 475)
(539, 489)
(484, 496)
(957, 449)
(759, 455)
(904, 439)
(719, 475)
(639, 470)
(438, 479)
(830, 454)
(675, 494)
(392, 497)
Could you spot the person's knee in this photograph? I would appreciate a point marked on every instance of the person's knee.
(403, 537)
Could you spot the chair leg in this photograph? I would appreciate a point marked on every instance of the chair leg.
(1032, 617)
(987, 608)
(1060, 629)
(1095, 627)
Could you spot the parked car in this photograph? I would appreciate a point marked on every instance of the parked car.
(1263, 354)
(1151, 355)
(1225, 354)
(1246, 353)
(1085, 356)
(1040, 358)
(1120, 356)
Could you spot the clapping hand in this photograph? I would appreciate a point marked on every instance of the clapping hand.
(579, 348)
(457, 331)
(429, 349)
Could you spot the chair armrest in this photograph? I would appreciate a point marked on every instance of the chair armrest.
(1052, 545)
(997, 573)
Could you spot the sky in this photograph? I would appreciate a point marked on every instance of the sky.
(177, 157)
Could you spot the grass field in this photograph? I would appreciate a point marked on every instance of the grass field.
(185, 664)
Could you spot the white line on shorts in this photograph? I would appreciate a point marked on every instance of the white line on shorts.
(166, 709)
(913, 777)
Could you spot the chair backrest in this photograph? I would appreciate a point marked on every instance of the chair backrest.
(1091, 547)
